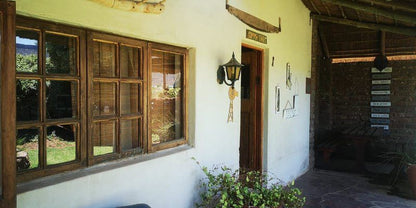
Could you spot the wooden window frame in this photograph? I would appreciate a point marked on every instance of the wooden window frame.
(8, 106)
(43, 122)
(85, 99)
(184, 53)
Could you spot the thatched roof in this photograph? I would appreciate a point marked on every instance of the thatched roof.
(351, 28)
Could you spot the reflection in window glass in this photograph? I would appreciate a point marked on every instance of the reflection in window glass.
(104, 99)
(61, 99)
(60, 144)
(104, 137)
(129, 98)
(60, 54)
(27, 100)
(129, 62)
(104, 60)
(27, 149)
(27, 51)
(166, 97)
(129, 134)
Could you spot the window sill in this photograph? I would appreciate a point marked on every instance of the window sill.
(71, 175)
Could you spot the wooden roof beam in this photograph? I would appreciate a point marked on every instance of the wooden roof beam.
(394, 5)
(327, 9)
(314, 7)
(372, 26)
(374, 10)
(342, 12)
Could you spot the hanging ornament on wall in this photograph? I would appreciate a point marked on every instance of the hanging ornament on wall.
(145, 6)
(232, 93)
(380, 62)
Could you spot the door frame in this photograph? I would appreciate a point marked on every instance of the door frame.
(259, 102)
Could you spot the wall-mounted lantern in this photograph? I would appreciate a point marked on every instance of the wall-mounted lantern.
(232, 69)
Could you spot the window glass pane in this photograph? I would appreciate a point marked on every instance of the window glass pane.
(60, 144)
(61, 99)
(104, 99)
(166, 100)
(129, 134)
(129, 98)
(27, 100)
(60, 54)
(129, 62)
(27, 149)
(27, 43)
(104, 62)
(104, 137)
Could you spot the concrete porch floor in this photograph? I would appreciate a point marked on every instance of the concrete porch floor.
(329, 189)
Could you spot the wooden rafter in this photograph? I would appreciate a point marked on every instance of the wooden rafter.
(314, 7)
(358, 15)
(374, 10)
(372, 26)
(327, 9)
(342, 12)
(394, 5)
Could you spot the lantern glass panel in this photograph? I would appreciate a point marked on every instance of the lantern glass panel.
(237, 72)
(231, 73)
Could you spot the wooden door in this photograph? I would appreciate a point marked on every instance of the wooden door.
(8, 103)
(251, 110)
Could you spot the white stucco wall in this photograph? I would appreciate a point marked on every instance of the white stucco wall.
(212, 34)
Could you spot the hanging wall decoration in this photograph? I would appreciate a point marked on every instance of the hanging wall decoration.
(380, 97)
(277, 97)
(253, 21)
(232, 93)
(288, 77)
(145, 6)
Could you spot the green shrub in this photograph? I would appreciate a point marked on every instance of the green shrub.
(224, 187)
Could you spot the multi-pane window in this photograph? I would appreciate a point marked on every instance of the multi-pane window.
(47, 98)
(116, 93)
(85, 98)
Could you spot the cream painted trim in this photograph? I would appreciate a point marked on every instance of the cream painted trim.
(134, 6)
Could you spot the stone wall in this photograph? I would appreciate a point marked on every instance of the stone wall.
(345, 94)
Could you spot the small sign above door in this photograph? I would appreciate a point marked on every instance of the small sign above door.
(256, 36)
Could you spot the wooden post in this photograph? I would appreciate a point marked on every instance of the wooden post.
(374, 10)
(323, 42)
(383, 43)
(372, 26)
(8, 103)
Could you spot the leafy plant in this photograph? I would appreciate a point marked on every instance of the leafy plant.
(224, 187)
(401, 159)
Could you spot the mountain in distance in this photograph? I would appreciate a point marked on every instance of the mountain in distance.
(26, 49)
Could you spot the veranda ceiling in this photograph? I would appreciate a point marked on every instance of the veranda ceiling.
(351, 28)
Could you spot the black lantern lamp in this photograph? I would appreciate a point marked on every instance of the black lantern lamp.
(233, 69)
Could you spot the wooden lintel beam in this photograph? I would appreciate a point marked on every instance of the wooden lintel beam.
(372, 26)
(374, 10)
(394, 5)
